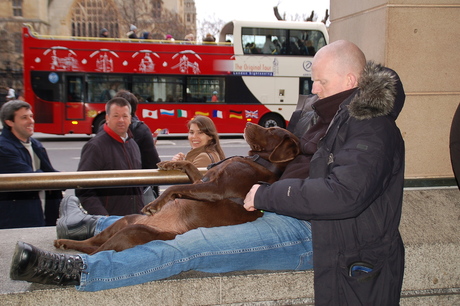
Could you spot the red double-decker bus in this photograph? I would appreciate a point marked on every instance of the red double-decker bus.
(255, 75)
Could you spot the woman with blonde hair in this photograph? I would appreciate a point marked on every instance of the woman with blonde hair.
(204, 140)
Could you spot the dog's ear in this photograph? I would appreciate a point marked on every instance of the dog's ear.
(286, 150)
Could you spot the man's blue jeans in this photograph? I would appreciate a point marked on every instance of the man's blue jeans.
(272, 242)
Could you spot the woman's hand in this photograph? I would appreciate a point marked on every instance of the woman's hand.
(178, 156)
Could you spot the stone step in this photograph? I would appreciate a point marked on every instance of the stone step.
(429, 226)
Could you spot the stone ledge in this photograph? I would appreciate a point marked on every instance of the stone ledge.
(432, 277)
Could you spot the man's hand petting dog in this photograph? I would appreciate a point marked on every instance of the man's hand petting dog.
(249, 199)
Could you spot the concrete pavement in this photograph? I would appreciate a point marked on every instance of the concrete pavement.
(430, 229)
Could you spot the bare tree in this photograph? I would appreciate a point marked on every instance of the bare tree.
(326, 17)
(211, 25)
(277, 13)
(312, 16)
(142, 14)
(11, 55)
(170, 23)
(137, 12)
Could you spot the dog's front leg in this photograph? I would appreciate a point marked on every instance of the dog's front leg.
(158, 203)
(185, 166)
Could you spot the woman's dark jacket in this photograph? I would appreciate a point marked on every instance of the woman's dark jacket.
(353, 196)
(107, 151)
(143, 137)
(24, 208)
(149, 155)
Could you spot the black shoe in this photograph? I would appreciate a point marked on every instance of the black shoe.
(74, 222)
(37, 266)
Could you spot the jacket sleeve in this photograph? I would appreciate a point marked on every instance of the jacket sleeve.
(91, 160)
(149, 153)
(12, 161)
(358, 173)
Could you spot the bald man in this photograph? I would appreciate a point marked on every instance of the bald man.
(336, 208)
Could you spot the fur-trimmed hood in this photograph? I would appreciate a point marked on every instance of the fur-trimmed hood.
(380, 93)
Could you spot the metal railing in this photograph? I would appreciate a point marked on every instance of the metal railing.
(115, 39)
(91, 179)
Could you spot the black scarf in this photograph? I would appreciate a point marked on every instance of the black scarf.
(325, 110)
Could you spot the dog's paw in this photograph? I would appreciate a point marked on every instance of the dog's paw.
(150, 209)
(166, 165)
(172, 165)
(60, 244)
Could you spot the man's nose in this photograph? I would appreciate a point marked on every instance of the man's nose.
(314, 89)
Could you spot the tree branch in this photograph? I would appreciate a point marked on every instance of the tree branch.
(277, 14)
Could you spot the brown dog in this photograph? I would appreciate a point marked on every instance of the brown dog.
(212, 200)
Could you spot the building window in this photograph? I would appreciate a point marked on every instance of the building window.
(157, 9)
(17, 8)
(17, 40)
(90, 16)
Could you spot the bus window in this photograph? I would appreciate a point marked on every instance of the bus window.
(262, 41)
(281, 41)
(74, 89)
(201, 89)
(159, 88)
(75, 106)
(305, 42)
(102, 88)
(47, 86)
(143, 87)
(296, 46)
(316, 38)
(229, 38)
(305, 86)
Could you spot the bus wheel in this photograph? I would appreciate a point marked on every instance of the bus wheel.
(97, 123)
(272, 120)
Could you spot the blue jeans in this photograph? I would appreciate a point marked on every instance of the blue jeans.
(272, 242)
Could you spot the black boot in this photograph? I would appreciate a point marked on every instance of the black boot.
(74, 222)
(37, 266)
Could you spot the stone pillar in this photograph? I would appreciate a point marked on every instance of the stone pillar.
(419, 39)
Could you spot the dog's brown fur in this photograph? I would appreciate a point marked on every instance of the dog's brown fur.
(209, 202)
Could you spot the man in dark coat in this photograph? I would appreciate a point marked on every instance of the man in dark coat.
(113, 148)
(143, 137)
(141, 133)
(351, 187)
(20, 153)
(338, 206)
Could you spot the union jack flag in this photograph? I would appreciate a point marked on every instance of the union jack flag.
(252, 114)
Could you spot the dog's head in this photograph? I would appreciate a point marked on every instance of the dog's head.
(274, 144)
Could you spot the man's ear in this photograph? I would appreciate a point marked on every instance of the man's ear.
(352, 80)
(9, 123)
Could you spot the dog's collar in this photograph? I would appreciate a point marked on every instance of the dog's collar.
(221, 161)
(255, 158)
(266, 164)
